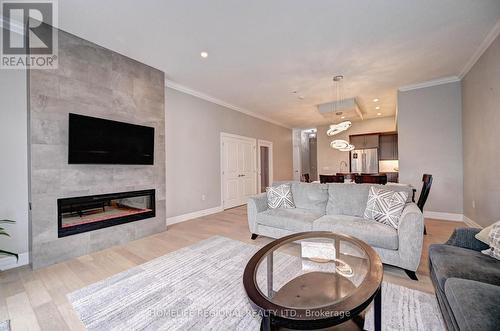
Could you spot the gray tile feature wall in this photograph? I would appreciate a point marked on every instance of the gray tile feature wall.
(98, 82)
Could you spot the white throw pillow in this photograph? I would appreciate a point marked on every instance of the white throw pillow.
(385, 206)
(484, 235)
(494, 242)
(280, 196)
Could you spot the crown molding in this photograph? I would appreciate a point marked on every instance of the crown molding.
(434, 82)
(490, 38)
(206, 97)
(485, 44)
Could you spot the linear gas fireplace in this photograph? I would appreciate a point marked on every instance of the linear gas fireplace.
(82, 214)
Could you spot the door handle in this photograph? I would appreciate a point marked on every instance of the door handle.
(241, 175)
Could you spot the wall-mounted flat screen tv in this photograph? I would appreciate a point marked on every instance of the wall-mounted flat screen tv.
(99, 141)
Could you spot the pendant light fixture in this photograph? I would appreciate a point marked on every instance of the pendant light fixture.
(339, 144)
(338, 128)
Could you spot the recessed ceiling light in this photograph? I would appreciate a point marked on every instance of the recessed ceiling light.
(204, 54)
(378, 114)
(377, 108)
(342, 117)
(301, 97)
(375, 100)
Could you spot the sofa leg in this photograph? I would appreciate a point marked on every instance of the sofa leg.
(425, 230)
(411, 274)
(254, 236)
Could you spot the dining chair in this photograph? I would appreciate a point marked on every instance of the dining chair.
(305, 178)
(424, 193)
(331, 179)
(347, 175)
(370, 179)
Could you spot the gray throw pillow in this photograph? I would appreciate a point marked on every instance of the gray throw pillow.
(280, 196)
(494, 242)
(385, 206)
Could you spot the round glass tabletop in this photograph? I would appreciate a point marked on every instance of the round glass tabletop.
(310, 273)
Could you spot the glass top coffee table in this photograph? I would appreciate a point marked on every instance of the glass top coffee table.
(314, 280)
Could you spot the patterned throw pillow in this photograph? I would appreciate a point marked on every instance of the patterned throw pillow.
(385, 206)
(484, 235)
(494, 238)
(280, 196)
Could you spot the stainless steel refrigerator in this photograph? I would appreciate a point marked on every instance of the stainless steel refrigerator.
(364, 161)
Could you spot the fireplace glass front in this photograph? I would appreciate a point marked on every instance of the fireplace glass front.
(82, 214)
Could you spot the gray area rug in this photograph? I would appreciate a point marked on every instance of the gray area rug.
(407, 309)
(199, 287)
(5, 325)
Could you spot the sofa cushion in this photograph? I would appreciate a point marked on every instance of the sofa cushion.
(474, 304)
(296, 219)
(350, 199)
(310, 196)
(347, 199)
(374, 233)
(450, 261)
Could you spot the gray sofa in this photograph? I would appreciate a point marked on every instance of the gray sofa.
(339, 208)
(467, 282)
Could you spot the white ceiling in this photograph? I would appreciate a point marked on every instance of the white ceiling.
(261, 51)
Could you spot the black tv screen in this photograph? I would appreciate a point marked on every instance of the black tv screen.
(98, 141)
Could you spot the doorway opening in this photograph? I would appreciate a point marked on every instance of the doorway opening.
(265, 164)
(305, 155)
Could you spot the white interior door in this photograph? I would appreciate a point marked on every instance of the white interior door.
(239, 177)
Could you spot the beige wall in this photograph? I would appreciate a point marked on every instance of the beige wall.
(481, 137)
(430, 141)
(14, 161)
(329, 159)
(193, 149)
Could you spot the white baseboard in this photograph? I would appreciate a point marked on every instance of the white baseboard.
(444, 216)
(196, 214)
(9, 262)
(470, 223)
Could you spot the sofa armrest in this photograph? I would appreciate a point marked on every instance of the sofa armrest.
(255, 205)
(411, 236)
(465, 238)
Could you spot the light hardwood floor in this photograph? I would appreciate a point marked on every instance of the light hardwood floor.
(35, 300)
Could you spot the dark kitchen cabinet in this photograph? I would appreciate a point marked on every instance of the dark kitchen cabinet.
(365, 141)
(357, 141)
(388, 147)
